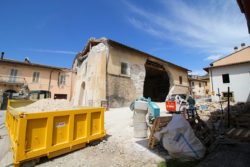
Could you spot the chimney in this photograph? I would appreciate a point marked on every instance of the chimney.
(27, 60)
(242, 45)
(235, 48)
(2, 55)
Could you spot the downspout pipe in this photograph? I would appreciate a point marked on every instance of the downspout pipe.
(211, 75)
(50, 76)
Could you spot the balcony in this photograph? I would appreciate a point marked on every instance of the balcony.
(12, 80)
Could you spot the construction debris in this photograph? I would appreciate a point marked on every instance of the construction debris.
(179, 139)
(159, 123)
(46, 105)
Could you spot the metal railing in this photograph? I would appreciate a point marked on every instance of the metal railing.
(8, 79)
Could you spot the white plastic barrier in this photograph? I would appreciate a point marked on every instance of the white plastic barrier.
(141, 105)
(179, 139)
(139, 119)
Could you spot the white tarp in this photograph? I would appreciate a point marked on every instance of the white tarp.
(179, 139)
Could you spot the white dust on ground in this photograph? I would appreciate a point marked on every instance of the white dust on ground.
(118, 149)
(45, 105)
(6, 157)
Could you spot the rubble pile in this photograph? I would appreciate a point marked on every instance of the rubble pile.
(211, 113)
(45, 105)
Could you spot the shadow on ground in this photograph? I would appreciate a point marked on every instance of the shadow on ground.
(160, 151)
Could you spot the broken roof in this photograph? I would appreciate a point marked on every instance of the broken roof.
(92, 41)
(31, 64)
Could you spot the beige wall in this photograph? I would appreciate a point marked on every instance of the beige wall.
(25, 72)
(123, 55)
(101, 74)
(175, 73)
(90, 82)
(135, 81)
(123, 89)
(118, 55)
(200, 88)
(208, 87)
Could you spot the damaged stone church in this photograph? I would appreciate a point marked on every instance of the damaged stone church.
(108, 72)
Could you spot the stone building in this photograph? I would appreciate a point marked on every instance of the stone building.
(110, 71)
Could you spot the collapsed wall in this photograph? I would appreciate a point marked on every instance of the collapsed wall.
(112, 72)
(90, 83)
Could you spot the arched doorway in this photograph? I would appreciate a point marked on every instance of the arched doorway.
(81, 95)
(6, 95)
(156, 84)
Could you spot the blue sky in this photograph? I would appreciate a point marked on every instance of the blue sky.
(188, 33)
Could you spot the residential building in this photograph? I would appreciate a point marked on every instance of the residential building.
(232, 71)
(111, 72)
(14, 74)
(199, 86)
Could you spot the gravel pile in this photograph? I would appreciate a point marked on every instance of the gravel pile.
(45, 105)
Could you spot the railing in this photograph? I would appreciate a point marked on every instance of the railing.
(8, 79)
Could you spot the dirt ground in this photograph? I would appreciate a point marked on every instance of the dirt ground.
(5, 153)
(119, 148)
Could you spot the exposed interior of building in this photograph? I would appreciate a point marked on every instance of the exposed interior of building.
(156, 84)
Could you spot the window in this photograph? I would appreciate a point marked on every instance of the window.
(192, 83)
(13, 75)
(180, 79)
(225, 94)
(199, 84)
(36, 77)
(60, 96)
(34, 96)
(125, 68)
(62, 79)
(205, 83)
(225, 78)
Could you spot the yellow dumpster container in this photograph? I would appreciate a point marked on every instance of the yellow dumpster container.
(53, 133)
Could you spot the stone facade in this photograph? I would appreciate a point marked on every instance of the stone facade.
(121, 90)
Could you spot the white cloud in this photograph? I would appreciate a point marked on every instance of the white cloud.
(213, 27)
(198, 72)
(213, 57)
(52, 51)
